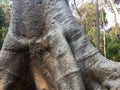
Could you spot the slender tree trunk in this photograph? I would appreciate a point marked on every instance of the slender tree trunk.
(45, 49)
(104, 33)
(97, 25)
(78, 12)
(104, 38)
(114, 10)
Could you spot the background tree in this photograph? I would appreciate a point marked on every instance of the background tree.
(97, 25)
(88, 23)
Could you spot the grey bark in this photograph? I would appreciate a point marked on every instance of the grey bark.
(45, 48)
(97, 26)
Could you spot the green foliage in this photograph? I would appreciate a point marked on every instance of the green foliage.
(4, 21)
(2, 24)
(88, 20)
(88, 23)
(113, 46)
(2, 18)
(5, 2)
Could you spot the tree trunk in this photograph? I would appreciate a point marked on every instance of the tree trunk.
(97, 26)
(115, 11)
(45, 49)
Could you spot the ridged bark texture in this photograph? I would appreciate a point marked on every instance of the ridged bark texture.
(45, 49)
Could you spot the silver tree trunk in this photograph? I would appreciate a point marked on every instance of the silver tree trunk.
(45, 49)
